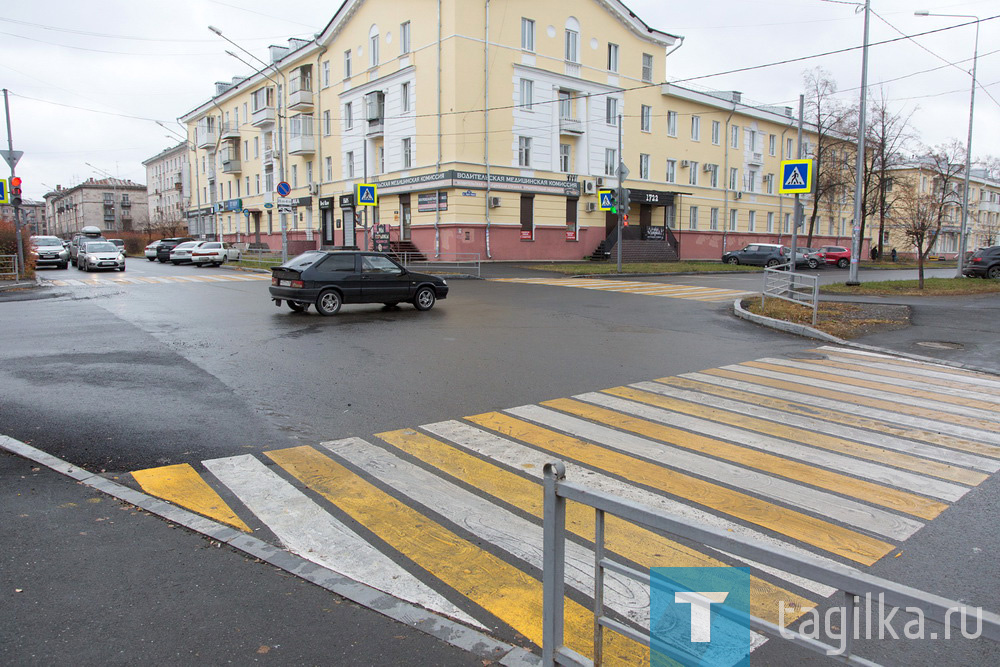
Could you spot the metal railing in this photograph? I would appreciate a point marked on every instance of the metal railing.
(783, 283)
(466, 263)
(8, 267)
(853, 584)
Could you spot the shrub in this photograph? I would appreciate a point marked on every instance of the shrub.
(8, 245)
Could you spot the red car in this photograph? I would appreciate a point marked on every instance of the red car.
(835, 254)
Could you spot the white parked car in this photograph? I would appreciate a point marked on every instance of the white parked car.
(215, 253)
(100, 255)
(181, 253)
(150, 251)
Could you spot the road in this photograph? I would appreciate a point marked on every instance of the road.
(410, 444)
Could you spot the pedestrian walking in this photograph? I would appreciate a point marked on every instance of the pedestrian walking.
(894, 254)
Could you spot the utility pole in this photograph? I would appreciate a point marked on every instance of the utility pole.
(12, 159)
(798, 213)
(621, 189)
(859, 165)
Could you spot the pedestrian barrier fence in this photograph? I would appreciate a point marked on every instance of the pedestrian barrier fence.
(467, 263)
(853, 584)
(8, 267)
(800, 288)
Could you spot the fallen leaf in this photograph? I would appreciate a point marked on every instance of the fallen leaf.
(264, 649)
(898, 555)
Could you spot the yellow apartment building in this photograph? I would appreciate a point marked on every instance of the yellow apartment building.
(489, 127)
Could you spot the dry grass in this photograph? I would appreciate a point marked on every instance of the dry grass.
(844, 320)
(932, 287)
(610, 267)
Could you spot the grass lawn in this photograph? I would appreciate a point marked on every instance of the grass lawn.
(844, 320)
(265, 262)
(603, 268)
(932, 287)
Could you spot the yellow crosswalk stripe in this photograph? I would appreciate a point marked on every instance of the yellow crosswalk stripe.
(829, 537)
(823, 441)
(182, 485)
(836, 417)
(909, 363)
(505, 591)
(880, 386)
(900, 406)
(752, 458)
(686, 292)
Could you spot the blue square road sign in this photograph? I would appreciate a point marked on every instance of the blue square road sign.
(366, 194)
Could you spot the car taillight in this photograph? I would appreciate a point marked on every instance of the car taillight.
(274, 281)
(201, 254)
(296, 283)
(976, 260)
(781, 252)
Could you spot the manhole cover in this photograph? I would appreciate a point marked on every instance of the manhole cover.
(805, 355)
(941, 345)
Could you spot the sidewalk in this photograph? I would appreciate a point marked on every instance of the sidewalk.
(90, 580)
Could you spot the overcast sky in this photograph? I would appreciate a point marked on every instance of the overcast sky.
(155, 59)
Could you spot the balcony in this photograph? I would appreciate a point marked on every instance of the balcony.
(755, 158)
(262, 116)
(268, 156)
(376, 128)
(178, 182)
(230, 131)
(302, 144)
(231, 165)
(571, 126)
(126, 203)
(206, 137)
(301, 96)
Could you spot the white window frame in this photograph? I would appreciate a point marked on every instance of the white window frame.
(713, 219)
(527, 34)
(770, 222)
(329, 168)
(646, 118)
(693, 173)
(565, 155)
(734, 219)
(527, 94)
(788, 223)
(407, 148)
(751, 221)
(644, 166)
(713, 176)
(772, 140)
(326, 73)
(373, 54)
(349, 160)
(348, 69)
(734, 178)
(693, 217)
(734, 136)
(647, 67)
(327, 123)
(610, 161)
(404, 96)
(751, 184)
(769, 182)
(611, 111)
(612, 57)
(671, 123)
(695, 128)
(348, 116)
(572, 44)
(788, 148)
(671, 173)
(716, 132)
(404, 38)
(524, 152)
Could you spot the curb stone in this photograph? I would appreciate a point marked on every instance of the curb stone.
(810, 332)
(444, 629)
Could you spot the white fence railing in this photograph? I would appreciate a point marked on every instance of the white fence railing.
(800, 288)
(8, 267)
(466, 263)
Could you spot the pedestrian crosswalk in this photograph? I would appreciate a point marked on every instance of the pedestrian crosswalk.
(843, 456)
(688, 292)
(115, 279)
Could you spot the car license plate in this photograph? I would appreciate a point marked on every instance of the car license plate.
(108, 263)
(285, 283)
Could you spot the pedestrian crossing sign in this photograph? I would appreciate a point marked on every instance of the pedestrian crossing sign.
(365, 194)
(607, 200)
(796, 177)
(3, 191)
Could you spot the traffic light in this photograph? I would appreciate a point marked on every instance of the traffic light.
(625, 201)
(625, 219)
(15, 191)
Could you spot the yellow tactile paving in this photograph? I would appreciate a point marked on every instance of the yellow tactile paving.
(182, 485)
(686, 292)
(502, 589)
(832, 443)
(830, 537)
(874, 493)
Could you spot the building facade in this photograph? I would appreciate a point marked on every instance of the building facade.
(32, 215)
(168, 189)
(111, 204)
(489, 128)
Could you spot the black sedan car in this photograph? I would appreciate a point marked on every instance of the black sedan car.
(984, 263)
(166, 245)
(328, 279)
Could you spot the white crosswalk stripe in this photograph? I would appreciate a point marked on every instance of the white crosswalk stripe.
(688, 292)
(156, 280)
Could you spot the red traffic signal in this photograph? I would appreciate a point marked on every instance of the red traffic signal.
(625, 219)
(15, 190)
(15, 182)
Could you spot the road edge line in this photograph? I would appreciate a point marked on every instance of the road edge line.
(449, 631)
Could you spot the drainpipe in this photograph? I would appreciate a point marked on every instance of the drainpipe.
(319, 149)
(437, 193)
(781, 199)
(486, 122)
(725, 175)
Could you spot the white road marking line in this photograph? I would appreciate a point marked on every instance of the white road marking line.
(530, 461)
(930, 372)
(310, 531)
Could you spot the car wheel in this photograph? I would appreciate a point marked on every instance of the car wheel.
(813, 264)
(993, 272)
(842, 263)
(152, 259)
(772, 262)
(328, 302)
(733, 260)
(424, 298)
(162, 261)
(298, 307)
(225, 258)
(122, 269)
(64, 265)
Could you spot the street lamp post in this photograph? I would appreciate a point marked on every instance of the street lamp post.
(968, 145)
(281, 140)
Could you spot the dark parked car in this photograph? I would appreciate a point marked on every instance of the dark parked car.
(328, 279)
(984, 263)
(166, 245)
(759, 254)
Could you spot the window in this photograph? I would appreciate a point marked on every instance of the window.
(347, 64)
(256, 147)
(829, 228)
(527, 34)
(695, 128)
(326, 73)
(751, 180)
(610, 161)
(572, 46)
(671, 171)
(732, 219)
(772, 140)
(671, 123)
(349, 159)
(751, 220)
(527, 93)
(788, 223)
(788, 148)
(295, 175)
(327, 129)
(713, 175)
(611, 104)
(328, 168)
(262, 99)
(713, 219)
(373, 50)
(404, 96)
(528, 216)
(647, 68)
(644, 166)
(693, 173)
(564, 158)
(716, 131)
(645, 118)
(770, 222)
(734, 136)
(246, 116)
(752, 138)
(524, 151)
(407, 153)
(565, 104)
(380, 160)
(734, 175)
(257, 182)
(612, 57)
(404, 37)
(693, 217)
(269, 181)
(769, 182)
(348, 117)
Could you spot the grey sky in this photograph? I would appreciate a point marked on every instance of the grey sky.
(155, 60)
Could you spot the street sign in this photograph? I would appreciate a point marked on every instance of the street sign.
(4, 195)
(12, 157)
(796, 177)
(284, 205)
(623, 171)
(284, 189)
(606, 200)
(366, 194)
(246, 212)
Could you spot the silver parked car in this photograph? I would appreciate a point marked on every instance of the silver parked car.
(181, 253)
(215, 252)
(98, 255)
(49, 251)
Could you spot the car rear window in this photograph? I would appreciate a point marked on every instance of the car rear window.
(337, 263)
(305, 259)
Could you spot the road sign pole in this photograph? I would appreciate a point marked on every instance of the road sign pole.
(859, 190)
(797, 215)
(621, 204)
(17, 218)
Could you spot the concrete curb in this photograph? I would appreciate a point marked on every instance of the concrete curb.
(809, 332)
(442, 628)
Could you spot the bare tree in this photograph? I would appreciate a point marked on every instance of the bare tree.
(828, 118)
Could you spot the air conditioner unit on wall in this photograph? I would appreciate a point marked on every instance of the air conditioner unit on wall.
(589, 187)
(314, 188)
(494, 202)
(738, 195)
(685, 164)
(708, 167)
(590, 207)
(600, 181)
